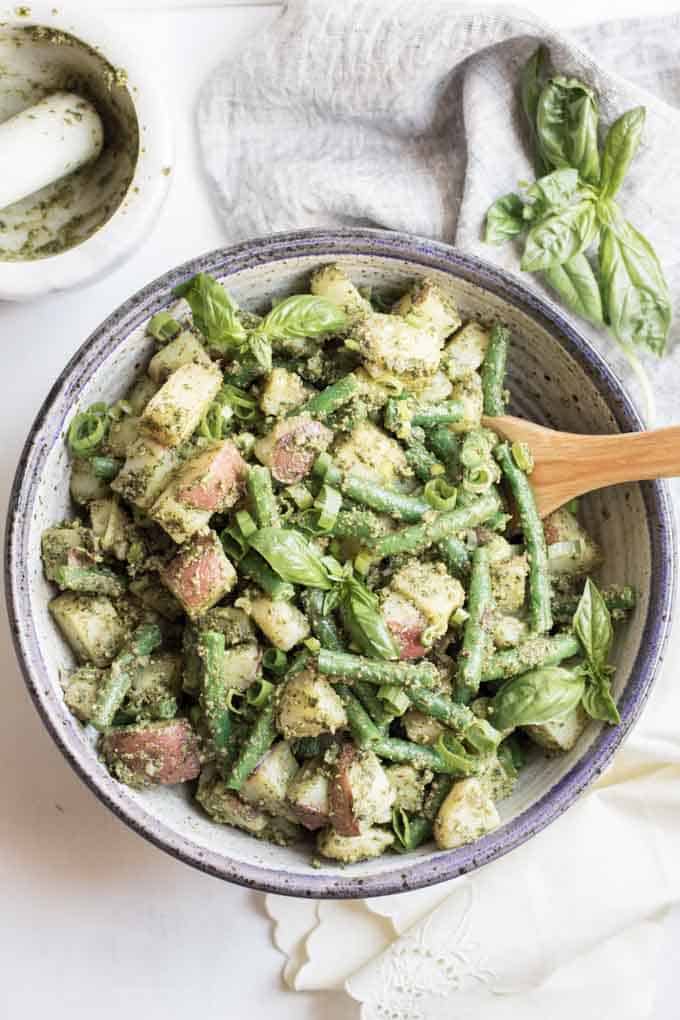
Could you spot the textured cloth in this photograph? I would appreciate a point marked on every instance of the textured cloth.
(406, 116)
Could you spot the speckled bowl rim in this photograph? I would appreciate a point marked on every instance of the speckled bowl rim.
(48, 428)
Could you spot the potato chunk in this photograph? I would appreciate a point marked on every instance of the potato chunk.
(360, 792)
(281, 622)
(292, 446)
(91, 626)
(333, 284)
(147, 468)
(430, 588)
(408, 784)
(172, 414)
(466, 351)
(308, 706)
(185, 349)
(152, 753)
(350, 849)
(282, 392)
(574, 552)
(467, 814)
(371, 453)
(561, 734)
(267, 784)
(427, 307)
(308, 795)
(390, 343)
(406, 623)
(225, 807)
(200, 574)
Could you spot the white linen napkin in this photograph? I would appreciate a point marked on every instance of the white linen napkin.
(405, 116)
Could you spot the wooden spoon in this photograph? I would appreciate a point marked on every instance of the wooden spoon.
(568, 464)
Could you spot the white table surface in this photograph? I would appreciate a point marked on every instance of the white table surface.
(93, 920)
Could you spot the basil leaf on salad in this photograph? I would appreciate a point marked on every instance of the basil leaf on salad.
(361, 613)
(539, 696)
(213, 310)
(292, 557)
(303, 315)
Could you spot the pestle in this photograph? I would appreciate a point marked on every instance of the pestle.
(46, 142)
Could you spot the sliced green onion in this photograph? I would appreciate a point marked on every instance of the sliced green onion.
(322, 465)
(300, 495)
(106, 467)
(243, 405)
(394, 696)
(523, 457)
(440, 494)
(120, 409)
(260, 693)
(286, 507)
(163, 327)
(363, 562)
(216, 422)
(313, 644)
(401, 825)
(246, 523)
(234, 543)
(453, 752)
(479, 479)
(235, 702)
(275, 660)
(329, 504)
(88, 430)
(459, 617)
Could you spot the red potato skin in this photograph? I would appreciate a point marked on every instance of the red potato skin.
(160, 754)
(309, 817)
(296, 451)
(199, 569)
(223, 483)
(408, 639)
(340, 796)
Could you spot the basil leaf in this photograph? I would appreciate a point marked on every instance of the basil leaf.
(303, 315)
(578, 287)
(636, 297)
(292, 557)
(552, 192)
(620, 146)
(365, 623)
(540, 696)
(504, 219)
(598, 701)
(261, 352)
(532, 79)
(593, 626)
(560, 236)
(213, 310)
(566, 122)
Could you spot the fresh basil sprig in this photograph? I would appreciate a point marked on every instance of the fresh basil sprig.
(364, 622)
(592, 625)
(539, 696)
(214, 312)
(293, 558)
(302, 315)
(571, 208)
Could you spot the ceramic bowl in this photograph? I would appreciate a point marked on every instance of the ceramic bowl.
(554, 378)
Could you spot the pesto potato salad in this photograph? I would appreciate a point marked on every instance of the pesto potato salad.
(302, 577)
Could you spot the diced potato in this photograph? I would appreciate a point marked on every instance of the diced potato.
(210, 482)
(292, 446)
(421, 728)
(469, 392)
(350, 849)
(200, 574)
(371, 453)
(90, 625)
(172, 414)
(467, 814)
(508, 631)
(63, 543)
(146, 470)
(234, 623)
(560, 735)
(308, 706)
(332, 283)
(85, 486)
(388, 342)
(374, 392)
(122, 435)
(141, 393)
(111, 525)
(408, 784)
(267, 784)
(438, 388)
(571, 550)
(508, 583)
(432, 591)
(282, 392)
(360, 793)
(155, 687)
(224, 806)
(155, 596)
(426, 307)
(281, 622)
(308, 795)
(406, 623)
(185, 349)
(152, 753)
(465, 353)
(241, 665)
(80, 691)
(496, 781)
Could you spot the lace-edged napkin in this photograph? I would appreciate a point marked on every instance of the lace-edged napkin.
(405, 115)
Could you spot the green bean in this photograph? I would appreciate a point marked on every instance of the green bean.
(419, 755)
(256, 569)
(493, 371)
(400, 414)
(105, 467)
(619, 600)
(323, 404)
(534, 541)
(118, 680)
(421, 536)
(93, 580)
(386, 501)
(425, 464)
(532, 654)
(356, 523)
(471, 655)
(377, 709)
(476, 731)
(446, 445)
(214, 691)
(323, 625)
(363, 729)
(376, 671)
(456, 556)
(262, 497)
(258, 741)
(418, 828)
